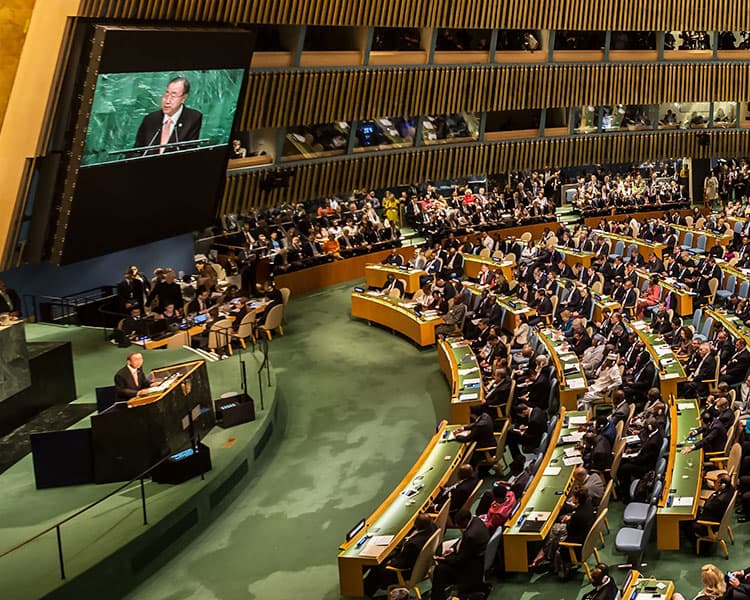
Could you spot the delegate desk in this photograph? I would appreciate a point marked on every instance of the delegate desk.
(711, 238)
(461, 368)
(542, 501)
(644, 247)
(574, 255)
(670, 369)
(636, 586)
(396, 314)
(131, 436)
(682, 294)
(732, 323)
(600, 301)
(513, 308)
(395, 516)
(375, 276)
(682, 483)
(740, 274)
(473, 264)
(569, 371)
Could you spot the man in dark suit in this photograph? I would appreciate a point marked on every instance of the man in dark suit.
(733, 372)
(202, 302)
(636, 464)
(696, 385)
(391, 283)
(479, 430)
(639, 382)
(167, 292)
(9, 301)
(454, 264)
(463, 563)
(174, 123)
(403, 558)
(458, 492)
(529, 434)
(393, 259)
(130, 381)
(498, 390)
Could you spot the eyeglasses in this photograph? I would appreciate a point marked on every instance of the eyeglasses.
(172, 95)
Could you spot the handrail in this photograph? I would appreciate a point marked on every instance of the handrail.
(86, 508)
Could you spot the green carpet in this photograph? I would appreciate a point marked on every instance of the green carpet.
(362, 404)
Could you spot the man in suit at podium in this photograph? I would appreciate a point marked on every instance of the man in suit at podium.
(130, 381)
(175, 122)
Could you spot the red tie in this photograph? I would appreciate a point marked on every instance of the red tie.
(166, 132)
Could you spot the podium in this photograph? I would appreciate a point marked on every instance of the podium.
(130, 437)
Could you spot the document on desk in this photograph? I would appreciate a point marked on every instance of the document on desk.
(473, 381)
(682, 501)
(552, 471)
(576, 384)
(538, 516)
(464, 372)
(669, 375)
(571, 452)
(467, 397)
(573, 460)
(578, 420)
(574, 437)
(663, 349)
(460, 344)
(375, 545)
(684, 405)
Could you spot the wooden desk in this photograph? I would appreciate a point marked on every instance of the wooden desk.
(711, 238)
(473, 264)
(375, 276)
(395, 314)
(728, 270)
(573, 256)
(669, 368)
(396, 515)
(732, 323)
(600, 301)
(682, 478)
(455, 355)
(540, 497)
(574, 385)
(680, 291)
(150, 344)
(513, 308)
(644, 247)
(664, 588)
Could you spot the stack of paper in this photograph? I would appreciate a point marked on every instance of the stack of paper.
(552, 471)
(463, 372)
(467, 397)
(663, 349)
(576, 384)
(573, 460)
(682, 501)
(538, 515)
(460, 344)
(574, 437)
(472, 381)
(578, 420)
(375, 545)
(569, 452)
(685, 405)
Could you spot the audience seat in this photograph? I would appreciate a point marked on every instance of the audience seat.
(632, 541)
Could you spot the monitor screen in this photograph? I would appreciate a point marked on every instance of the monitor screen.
(148, 114)
(152, 128)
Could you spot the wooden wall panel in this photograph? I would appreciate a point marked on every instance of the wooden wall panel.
(308, 97)
(380, 170)
(720, 15)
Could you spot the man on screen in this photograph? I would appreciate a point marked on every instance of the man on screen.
(174, 123)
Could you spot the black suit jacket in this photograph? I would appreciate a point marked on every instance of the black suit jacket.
(648, 452)
(480, 431)
(149, 133)
(125, 385)
(707, 369)
(736, 367)
(535, 428)
(406, 556)
(539, 392)
(468, 559)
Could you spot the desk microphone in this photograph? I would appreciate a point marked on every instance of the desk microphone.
(176, 136)
(158, 131)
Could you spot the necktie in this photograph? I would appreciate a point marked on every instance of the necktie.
(135, 378)
(166, 132)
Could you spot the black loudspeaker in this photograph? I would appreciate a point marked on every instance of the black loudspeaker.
(62, 458)
(233, 409)
(183, 465)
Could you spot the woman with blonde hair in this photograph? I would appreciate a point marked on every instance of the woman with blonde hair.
(714, 586)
